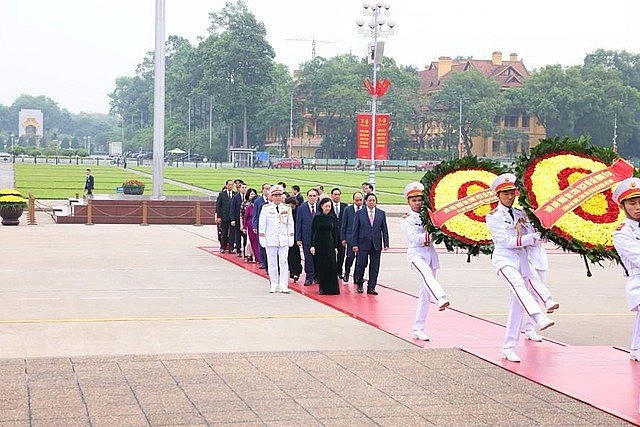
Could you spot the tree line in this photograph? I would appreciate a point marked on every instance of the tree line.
(227, 91)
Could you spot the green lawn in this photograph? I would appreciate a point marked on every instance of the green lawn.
(389, 185)
(50, 181)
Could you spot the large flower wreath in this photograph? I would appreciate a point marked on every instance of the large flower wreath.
(552, 166)
(449, 182)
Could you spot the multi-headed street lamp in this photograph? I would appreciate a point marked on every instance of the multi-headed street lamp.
(378, 25)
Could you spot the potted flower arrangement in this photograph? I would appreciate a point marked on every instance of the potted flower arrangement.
(133, 186)
(12, 205)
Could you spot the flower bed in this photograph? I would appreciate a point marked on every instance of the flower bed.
(133, 186)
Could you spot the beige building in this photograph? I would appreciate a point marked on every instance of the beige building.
(508, 73)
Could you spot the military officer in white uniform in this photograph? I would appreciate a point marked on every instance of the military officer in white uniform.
(511, 262)
(422, 258)
(275, 231)
(626, 239)
(539, 261)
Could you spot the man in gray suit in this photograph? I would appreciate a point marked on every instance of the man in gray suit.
(346, 234)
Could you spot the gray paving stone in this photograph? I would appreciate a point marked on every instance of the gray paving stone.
(112, 420)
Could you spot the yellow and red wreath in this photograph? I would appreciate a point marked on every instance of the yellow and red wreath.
(448, 186)
(552, 167)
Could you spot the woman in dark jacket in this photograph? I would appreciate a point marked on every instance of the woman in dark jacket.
(323, 249)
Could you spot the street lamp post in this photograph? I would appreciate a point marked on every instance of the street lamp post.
(87, 143)
(12, 137)
(379, 25)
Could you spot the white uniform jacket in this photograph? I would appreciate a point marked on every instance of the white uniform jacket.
(275, 228)
(509, 246)
(626, 239)
(537, 253)
(420, 242)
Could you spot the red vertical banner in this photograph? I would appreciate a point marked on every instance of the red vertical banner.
(381, 145)
(364, 136)
(381, 149)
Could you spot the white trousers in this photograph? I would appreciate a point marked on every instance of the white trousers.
(635, 339)
(278, 268)
(540, 292)
(428, 286)
(521, 302)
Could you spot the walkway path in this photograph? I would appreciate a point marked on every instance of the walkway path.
(6, 175)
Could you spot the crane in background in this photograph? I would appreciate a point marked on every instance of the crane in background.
(313, 44)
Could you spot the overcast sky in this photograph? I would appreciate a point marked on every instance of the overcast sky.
(73, 50)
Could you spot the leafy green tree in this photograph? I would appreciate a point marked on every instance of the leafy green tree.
(550, 95)
(627, 63)
(482, 102)
(275, 112)
(242, 62)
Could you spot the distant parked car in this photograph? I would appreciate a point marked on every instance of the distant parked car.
(287, 163)
(427, 166)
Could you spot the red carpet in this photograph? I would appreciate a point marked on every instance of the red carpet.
(603, 377)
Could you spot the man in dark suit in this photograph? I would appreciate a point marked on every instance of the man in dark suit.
(223, 210)
(304, 217)
(337, 210)
(235, 234)
(258, 203)
(371, 236)
(88, 183)
(295, 192)
(346, 233)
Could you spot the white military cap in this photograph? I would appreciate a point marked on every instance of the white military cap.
(413, 189)
(276, 189)
(504, 182)
(627, 189)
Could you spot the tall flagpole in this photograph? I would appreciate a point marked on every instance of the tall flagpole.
(158, 104)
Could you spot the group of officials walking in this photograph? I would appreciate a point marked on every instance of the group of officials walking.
(334, 237)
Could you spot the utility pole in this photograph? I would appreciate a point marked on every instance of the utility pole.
(313, 44)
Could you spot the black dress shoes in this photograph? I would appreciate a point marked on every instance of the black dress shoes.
(372, 292)
(295, 279)
(345, 278)
(307, 282)
(360, 290)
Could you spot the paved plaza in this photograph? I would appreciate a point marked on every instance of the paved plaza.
(127, 325)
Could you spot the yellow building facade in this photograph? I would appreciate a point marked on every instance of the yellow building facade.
(508, 73)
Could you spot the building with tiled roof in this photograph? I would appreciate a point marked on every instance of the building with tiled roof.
(508, 74)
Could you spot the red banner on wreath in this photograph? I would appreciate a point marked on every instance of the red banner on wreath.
(582, 190)
(381, 146)
(466, 204)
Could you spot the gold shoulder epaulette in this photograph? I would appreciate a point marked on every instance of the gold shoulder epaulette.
(618, 228)
(405, 215)
(494, 210)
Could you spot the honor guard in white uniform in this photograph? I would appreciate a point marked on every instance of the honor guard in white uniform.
(422, 258)
(539, 262)
(626, 239)
(275, 231)
(510, 259)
